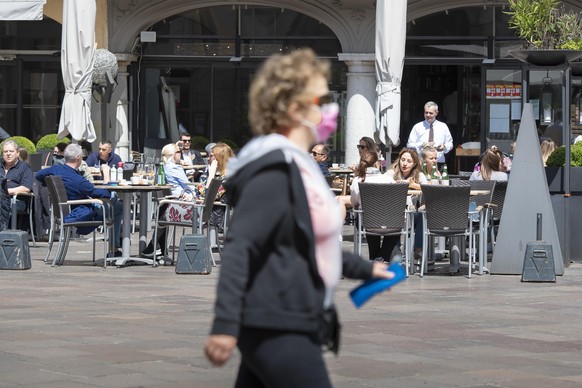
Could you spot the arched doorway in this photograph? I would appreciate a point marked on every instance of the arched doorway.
(208, 56)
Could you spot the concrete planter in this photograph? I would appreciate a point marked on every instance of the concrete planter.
(555, 177)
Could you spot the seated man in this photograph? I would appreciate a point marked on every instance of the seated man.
(320, 152)
(105, 155)
(189, 155)
(17, 174)
(78, 187)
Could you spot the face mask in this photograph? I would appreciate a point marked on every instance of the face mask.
(328, 124)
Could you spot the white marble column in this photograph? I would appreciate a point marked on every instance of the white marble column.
(119, 110)
(361, 95)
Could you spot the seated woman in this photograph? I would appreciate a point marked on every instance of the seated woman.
(175, 176)
(490, 168)
(365, 171)
(218, 159)
(407, 169)
(57, 157)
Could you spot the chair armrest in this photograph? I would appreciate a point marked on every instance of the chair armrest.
(87, 201)
(176, 202)
(490, 205)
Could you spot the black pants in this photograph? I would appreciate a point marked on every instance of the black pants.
(272, 358)
(383, 247)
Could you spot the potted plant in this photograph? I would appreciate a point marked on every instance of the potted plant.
(552, 35)
(555, 168)
(48, 142)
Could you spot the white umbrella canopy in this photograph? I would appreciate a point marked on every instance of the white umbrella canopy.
(77, 56)
(390, 43)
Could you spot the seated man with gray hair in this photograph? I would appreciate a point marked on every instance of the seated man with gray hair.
(16, 176)
(78, 187)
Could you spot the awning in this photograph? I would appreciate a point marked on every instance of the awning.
(21, 9)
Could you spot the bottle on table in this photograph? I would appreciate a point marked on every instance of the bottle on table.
(113, 174)
(120, 171)
(445, 176)
(161, 176)
(434, 178)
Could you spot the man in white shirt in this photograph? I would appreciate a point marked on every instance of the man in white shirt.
(431, 132)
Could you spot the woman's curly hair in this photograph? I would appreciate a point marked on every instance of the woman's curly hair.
(280, 81)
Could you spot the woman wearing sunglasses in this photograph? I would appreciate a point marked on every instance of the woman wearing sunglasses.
(282, 259)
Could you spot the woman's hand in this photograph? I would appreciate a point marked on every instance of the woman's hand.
(379, 270)
(219, 348)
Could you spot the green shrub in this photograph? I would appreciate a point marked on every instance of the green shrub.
(199, 142)
(48, 142)
(23, 142)
(558, 157)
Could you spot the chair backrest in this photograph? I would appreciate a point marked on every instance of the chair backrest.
(57, 194)
(383, 205)
(482, 199)
(210, 197)
(499, 198)
(446, 207)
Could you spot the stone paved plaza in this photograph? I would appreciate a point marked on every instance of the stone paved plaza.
(80, 325)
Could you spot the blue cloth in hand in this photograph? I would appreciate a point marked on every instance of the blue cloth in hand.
(369, 288)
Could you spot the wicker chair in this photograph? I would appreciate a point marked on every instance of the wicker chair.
(446, 214)
(383, 213)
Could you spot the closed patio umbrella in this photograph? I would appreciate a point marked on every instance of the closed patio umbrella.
(77, 56)
(390, 42)
(21, 9)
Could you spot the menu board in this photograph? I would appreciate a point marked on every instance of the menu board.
(503, 91)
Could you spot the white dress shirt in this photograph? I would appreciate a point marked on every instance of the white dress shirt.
(442, 135)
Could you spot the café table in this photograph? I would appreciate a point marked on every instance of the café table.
(346, 173)
(125, 192)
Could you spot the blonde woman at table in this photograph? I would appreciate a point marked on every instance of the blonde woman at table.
(282, 261)
(490, 169)
(218, 158)
(407, 168)
(429, 156)
(175, 175)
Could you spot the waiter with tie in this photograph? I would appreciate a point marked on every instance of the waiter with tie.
(431, 132)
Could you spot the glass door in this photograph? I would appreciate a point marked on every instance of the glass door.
(503, 106)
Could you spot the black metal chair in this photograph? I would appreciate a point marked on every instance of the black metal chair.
(61, 207)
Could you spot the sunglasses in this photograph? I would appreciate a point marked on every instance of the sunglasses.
(315, 153)
(322, 100)
(187, 141)
(361, 147)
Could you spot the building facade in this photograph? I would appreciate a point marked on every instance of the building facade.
(194, 64)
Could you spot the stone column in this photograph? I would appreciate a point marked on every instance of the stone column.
(119, 110)
(361, 95)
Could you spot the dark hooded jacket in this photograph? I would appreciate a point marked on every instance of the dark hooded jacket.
(269, 277)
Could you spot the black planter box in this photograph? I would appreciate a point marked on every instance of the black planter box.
(555, 177)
